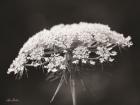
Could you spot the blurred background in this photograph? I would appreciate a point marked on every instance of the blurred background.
(117, 85)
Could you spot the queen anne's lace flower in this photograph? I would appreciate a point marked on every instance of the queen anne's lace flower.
(62, 49)
(54, 49)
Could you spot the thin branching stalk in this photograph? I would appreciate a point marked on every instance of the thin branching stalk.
(58, 88)
(73, 90)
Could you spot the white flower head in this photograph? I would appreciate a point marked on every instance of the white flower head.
(53, 49)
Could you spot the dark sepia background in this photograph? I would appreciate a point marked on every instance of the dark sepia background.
(117, 85)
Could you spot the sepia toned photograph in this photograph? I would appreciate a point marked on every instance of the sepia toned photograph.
(69, 52)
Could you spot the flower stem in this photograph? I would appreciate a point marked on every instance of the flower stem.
(58, 88)
(72, 86)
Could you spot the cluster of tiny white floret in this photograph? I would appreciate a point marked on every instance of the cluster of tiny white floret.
(105, 54)
(53, 49)
(80, 52)
(17, 65)
(56, 61)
